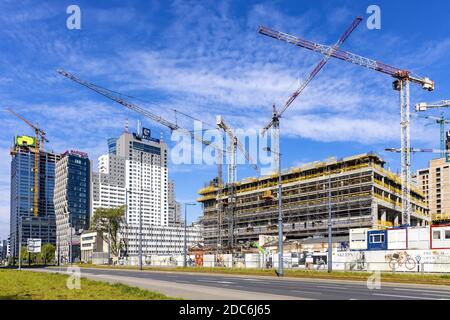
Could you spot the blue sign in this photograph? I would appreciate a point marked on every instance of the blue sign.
(146, 133)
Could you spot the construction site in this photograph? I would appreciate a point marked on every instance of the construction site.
(358, 190)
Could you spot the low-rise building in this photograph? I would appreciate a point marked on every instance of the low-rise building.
(93, 246)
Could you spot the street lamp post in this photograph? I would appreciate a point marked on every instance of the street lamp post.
(20, 243)
(330, 226)
(280, 216)
(185, 233)
(70, 247)
(140, 219)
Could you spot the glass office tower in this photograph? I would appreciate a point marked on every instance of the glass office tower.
(23, 223)
(72, 203)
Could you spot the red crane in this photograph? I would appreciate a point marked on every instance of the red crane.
(403, 78)
(275, 121)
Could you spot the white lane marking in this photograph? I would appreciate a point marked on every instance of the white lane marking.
(252, 279)
(215, 281)
(419, 290)
(400, 296)
(330, 287)
(304, 291)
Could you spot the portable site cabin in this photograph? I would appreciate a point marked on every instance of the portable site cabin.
(440, 236)
(408, 238)
(358, 239)
(377, 239)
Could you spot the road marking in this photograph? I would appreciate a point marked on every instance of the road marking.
(418, 290)
(330, 287)
(215, 281)
(253, 279)
(400, 296)
(304, 291)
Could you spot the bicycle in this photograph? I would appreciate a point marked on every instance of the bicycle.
(397, 260)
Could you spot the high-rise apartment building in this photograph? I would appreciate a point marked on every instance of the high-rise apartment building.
(72, 203)
(434, 182)
(23, 223)
(134, 172)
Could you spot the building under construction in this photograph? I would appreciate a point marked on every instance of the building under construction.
(359, 191)
(24, 224)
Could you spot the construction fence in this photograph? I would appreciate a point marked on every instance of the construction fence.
(421, 261)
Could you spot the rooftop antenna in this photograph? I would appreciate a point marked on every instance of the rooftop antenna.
(126, 125)
(139, 127)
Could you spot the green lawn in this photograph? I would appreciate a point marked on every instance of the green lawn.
(438, 279)
(30, 285)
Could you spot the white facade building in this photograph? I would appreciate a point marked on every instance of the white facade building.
(134, 173)
(162, 240)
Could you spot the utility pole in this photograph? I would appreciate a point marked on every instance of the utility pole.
(185, 233)
(140, 219)
(20, 243)
(330, 231)
(70, 247)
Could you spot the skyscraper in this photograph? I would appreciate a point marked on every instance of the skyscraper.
(72, 202)
(23, 223)
(134, 172)
(174, 206)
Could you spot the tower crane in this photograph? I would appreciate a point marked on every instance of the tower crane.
(114, 96)
(172, 126)
(274, 123)
(441, 121)
(39, 144)
(423, 106)
(232, 176)
(403, 78)
(414, 150)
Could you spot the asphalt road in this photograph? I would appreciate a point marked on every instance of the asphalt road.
(213, 286)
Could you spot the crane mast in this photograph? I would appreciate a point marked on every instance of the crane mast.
(40, 139)
(232, 176)
(403, 79)
(423, 106)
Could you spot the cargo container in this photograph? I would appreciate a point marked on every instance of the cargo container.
(358, 239)
(377, 239)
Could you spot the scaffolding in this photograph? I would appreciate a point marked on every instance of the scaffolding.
(363, 194)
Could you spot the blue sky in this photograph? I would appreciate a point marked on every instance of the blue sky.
(206, 58)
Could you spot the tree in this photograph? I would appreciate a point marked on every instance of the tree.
(23, 253)
(47, 253)
(107, 221)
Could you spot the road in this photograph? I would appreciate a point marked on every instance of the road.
(202, 286)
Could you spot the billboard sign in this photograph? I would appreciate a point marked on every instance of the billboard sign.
(25, 141)
(34, 245)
